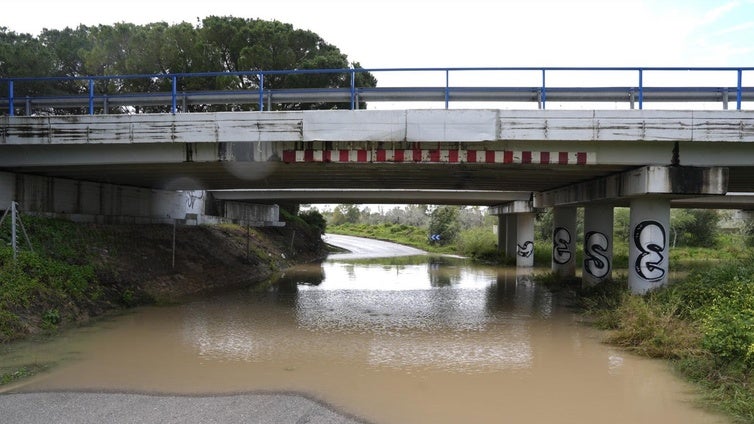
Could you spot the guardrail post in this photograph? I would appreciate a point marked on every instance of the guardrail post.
(174, 94)
(353, 89)
(544, 91)
(447, 88)
(739, 91)
(91, 96)
(261, 91)
(10, 98)
(641, 89)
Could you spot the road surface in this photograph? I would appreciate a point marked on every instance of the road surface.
(361, 248)
(126, 408)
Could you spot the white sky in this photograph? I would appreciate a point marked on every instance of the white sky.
(466, 33)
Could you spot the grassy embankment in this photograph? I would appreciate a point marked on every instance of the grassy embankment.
(703, 323)
(79, 271)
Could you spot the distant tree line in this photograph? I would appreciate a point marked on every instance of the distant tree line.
(446, 221)
(216, 44)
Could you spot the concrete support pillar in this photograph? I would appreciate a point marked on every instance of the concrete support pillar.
(525, 240)
(598, 244)
(502, 234)
(564, 242)
(648, 244)
(511, 231)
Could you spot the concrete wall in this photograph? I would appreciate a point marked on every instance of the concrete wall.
(88, 201)
(254, 214)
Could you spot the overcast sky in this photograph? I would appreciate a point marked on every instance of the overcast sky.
(460, 33)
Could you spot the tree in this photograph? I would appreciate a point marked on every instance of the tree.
(216, 44)
(315, 219)
(444, 222)
(345, 214)
(694, 227)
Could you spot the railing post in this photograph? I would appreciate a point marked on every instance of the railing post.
(353, 89)
(447, 88)
(91, 96)
(10, 98)
(261, 91)
(173, 95)
(544, 91)
(739, 91)
(641, 89)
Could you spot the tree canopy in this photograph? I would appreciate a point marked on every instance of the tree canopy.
(216, 44)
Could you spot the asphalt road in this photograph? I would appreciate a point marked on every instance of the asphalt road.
(120, 408)
(360, 248)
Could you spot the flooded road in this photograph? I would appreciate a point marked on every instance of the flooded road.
(398, 340)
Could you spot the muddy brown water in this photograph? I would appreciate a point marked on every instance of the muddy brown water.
(427, 340)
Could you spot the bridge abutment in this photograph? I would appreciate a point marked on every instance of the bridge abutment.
(86, 201)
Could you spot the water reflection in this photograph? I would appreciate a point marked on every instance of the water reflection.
(421, 340)
(428, 312)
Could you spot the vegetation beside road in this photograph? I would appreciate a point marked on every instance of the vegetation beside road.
(79, 271)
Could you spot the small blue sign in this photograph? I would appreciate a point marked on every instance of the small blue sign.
(434, 237)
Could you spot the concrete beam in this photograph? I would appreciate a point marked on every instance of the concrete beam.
(443, 197)
(515, 207)
(664, 181)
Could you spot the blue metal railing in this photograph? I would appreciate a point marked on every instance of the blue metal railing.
(353, 94)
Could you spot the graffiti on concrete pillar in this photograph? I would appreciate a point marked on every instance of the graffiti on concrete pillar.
(596, 262)
(525, 250)
(649, 238)
(561, 246)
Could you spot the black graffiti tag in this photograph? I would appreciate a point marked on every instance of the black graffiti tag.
(561, 246)
(596, 263)
(649, 238)
(525, 250)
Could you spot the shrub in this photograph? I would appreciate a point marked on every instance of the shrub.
(728, 325)
(479, 243)
(314, 219)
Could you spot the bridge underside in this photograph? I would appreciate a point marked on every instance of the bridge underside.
(277, 175)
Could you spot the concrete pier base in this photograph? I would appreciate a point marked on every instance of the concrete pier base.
(648, 244)
(525, 240)
(564, 242)
(598, 244)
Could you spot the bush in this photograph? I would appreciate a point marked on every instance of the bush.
(479, 243)
(728, 325)
(314, 219)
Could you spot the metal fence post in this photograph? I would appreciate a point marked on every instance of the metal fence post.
(261, 91)
(544, 91)
(91, 96)
(14, 246)
(739, 91)
(353, 89)
(174, 94)
(641, 89)
(447, 88)
(10, 98)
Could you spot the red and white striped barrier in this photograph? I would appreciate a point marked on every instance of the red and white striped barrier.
(439, 156)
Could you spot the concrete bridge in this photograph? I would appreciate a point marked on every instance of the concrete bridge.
(513, 160)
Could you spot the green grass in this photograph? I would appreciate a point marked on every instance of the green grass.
(10, 375)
